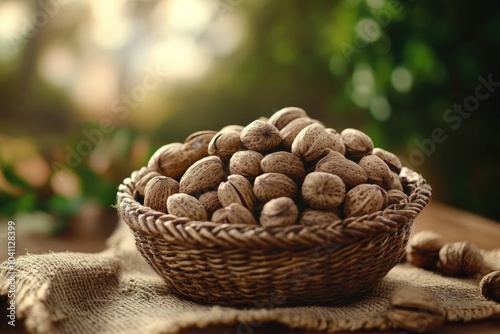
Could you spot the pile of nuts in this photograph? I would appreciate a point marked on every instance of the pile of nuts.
(288, 169)
(427, 250)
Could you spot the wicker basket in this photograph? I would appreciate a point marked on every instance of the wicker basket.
(241, 265)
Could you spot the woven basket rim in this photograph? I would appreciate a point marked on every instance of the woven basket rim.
(197, 234)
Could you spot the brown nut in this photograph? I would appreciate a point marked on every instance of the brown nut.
(210, 201)
(392, 181)
(140, 185)
(273, 185)
(284, 116)
(234, 214)
(205, 174)
(236, 189)
(376, 169)
(357, 143)
(311, 142)
(196, 145)
(364, 199)
(246, 163)
(285, 163)
(312, 217)
(423, 249)
(323, 190)
(184, 205)
(225, 144)
(280, 211)
(336, 139)
(157, 190)
(260, 136)
(395, 196)
(232, 128)
(459, 259)
(292, 129)
(170, 160)
(390, 159)
(490, 286)
(415, 310)
(350, 172)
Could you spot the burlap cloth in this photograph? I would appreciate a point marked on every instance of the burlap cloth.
(115, 291)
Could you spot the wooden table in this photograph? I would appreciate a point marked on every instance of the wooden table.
(453, 224)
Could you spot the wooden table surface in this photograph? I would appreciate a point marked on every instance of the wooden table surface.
(453, 224)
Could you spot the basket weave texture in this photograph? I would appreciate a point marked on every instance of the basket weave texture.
(242, 265)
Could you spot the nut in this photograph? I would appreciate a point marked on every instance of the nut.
(184, 205)
(350, 172)
(392, 181)
(395, 196)
(311, 142)
(273, 185)
(280, 211)
(423, 249)
(236, 189)
(158, 189)
(140, 186)
(234, 214)
(284, 116)
(311, 217)
(285, 163)
(170, 160)
(390, 159)
(225, 144)
(336, 139)
(415, 310)
(260, 136)
(364, 199)
(490, 286)
(375, 168)
(196, 145)
(459, 259)
(323, 190)
(292, 129)
(210, 201)
(357, 143)
(246, 163)
(205, 174)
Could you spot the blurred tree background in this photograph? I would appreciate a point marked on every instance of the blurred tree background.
(90, 88)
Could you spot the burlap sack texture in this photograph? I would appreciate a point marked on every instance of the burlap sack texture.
(116, 292)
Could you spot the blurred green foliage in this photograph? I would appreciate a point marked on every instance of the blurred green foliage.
(389, 68)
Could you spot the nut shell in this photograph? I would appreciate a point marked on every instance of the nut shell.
(170, 160)
(336, 140)
(392, 161)
(459, 259)
(225, 144)
(375, 168)
(423, 249)
(415, 310)
(210, 201)
(236, 189)
(246, 163)
(184, 205)
(284, 163)
(311, 142)
(234, 214)
(280, 211)
(158, 190)
(292, 129)
(364, 199)
(273, 185)
(196, 144)
(323, 190)
(490, 286)
(205, 174)
(395, 196)
(284, 116)
(357, 143)
(350, 172)
(140, 186)
(260, 136)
